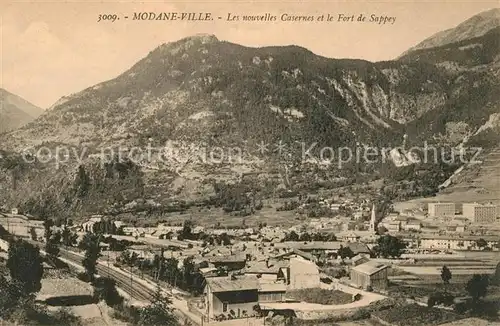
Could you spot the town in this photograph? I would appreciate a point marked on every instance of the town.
(321, 268)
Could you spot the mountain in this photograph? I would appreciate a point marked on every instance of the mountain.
(195, 101)
(15, 111)
(473, 27)
(204, 90)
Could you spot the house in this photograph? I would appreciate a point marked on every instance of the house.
(271, 270)
(412, 225)
(208, 272)
(393, 226)
(350, 237)
(89, 225)
(271, 291)
(14, 211)
(230, 263)
(316, 248)
(359, 259)
(293, 254)
(231, 295)
(302, 274)
(370, 275)
(359, 248)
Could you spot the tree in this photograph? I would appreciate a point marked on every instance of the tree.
(292, 236)
(481, 243)
(47, 225)
(305, 237)
(477, 286)
(82, 182)
(158, 312)
(188, 271)
(345, 252)
(52, 246)
(225, 239)
(33, 234)
(496, 276)
(187, 229)
(389, 246)
(90, 243)
(68, 238)
(25, 265)
(171, 271)
(445, 275)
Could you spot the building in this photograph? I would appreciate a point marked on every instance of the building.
(270, 270)
(457, 242)
(231, 295)
(370, 275)
(89, 225)
(271, 292)
(209, 272)
(303, 274)
(14, 211)
(441, 210)
(316, 248)
(479, 213)
(230, 263)
(359, 259)
(393, 226)
(412, 225)
(350, 237)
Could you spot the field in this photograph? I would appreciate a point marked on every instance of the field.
(414, 315)
(210, 217)
(62, 290)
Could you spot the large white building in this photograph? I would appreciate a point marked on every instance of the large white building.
(457, 242)
(479, 213)
(442, 210)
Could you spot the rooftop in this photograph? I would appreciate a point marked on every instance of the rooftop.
(263, 267)
(312, 245)
(370, 268)
(226, 284)
(272, 287)
(226, 259)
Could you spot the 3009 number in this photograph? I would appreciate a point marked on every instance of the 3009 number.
(110, 18)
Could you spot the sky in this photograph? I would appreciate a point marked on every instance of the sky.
(50, 49)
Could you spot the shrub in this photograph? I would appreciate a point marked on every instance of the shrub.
(105, 289)
(126, 313)
(82, 276)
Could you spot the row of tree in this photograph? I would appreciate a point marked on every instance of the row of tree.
(182, 275)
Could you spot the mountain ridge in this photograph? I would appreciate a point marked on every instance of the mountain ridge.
(15, 111)
(476, 26)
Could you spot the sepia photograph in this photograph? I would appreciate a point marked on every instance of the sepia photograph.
(250, 163)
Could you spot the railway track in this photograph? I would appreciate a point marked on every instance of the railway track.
(134, 289)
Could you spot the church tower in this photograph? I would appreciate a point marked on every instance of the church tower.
(373, 219)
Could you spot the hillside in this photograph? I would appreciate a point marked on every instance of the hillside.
(473, 27)
(189, 99)
(15, 111)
